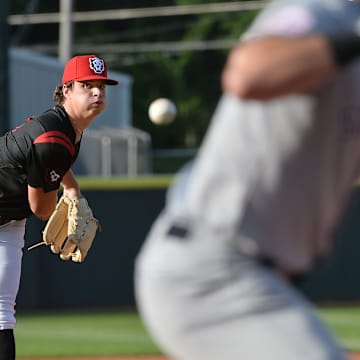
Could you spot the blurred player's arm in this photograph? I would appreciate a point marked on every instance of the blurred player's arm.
(273, 66)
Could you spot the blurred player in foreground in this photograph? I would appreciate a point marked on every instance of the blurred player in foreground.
(257, 207)
(35, 159)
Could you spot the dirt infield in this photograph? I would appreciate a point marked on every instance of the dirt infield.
(352, 356)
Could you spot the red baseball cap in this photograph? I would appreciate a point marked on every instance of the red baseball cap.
(86, 67)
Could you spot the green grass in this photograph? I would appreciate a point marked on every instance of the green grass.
(76, 334)
(124, 183)
(345, 323)
(122, 333)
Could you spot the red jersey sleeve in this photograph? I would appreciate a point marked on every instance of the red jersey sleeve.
(50, 157)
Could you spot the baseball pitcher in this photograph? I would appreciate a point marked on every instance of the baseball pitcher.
(35, 160)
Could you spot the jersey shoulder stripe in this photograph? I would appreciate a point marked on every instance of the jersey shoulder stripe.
(56, 137)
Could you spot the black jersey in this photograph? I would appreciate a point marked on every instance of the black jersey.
(37, 153)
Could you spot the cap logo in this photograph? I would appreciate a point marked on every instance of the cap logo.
(97, 65)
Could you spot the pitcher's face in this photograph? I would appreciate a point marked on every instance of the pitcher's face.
(85, 100)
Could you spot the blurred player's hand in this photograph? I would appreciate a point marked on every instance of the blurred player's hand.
(273, 66)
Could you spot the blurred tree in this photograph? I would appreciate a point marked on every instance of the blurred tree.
(191, 79)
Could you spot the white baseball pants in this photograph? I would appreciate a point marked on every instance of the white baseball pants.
(11, 245)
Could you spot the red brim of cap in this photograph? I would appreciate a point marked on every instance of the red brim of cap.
(107, 80)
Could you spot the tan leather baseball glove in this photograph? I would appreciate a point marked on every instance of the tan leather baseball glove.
(71, 229)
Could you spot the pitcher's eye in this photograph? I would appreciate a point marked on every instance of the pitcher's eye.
(86, 85)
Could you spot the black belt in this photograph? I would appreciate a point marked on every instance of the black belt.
(182, 232)
(295, 278)
(179, 231)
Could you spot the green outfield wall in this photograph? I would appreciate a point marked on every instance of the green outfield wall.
(126, 209)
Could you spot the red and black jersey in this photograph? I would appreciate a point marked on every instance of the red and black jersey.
(37, 153)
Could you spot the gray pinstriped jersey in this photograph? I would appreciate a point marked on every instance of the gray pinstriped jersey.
(279, 172)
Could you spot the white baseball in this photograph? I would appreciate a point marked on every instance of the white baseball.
(162, 111)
